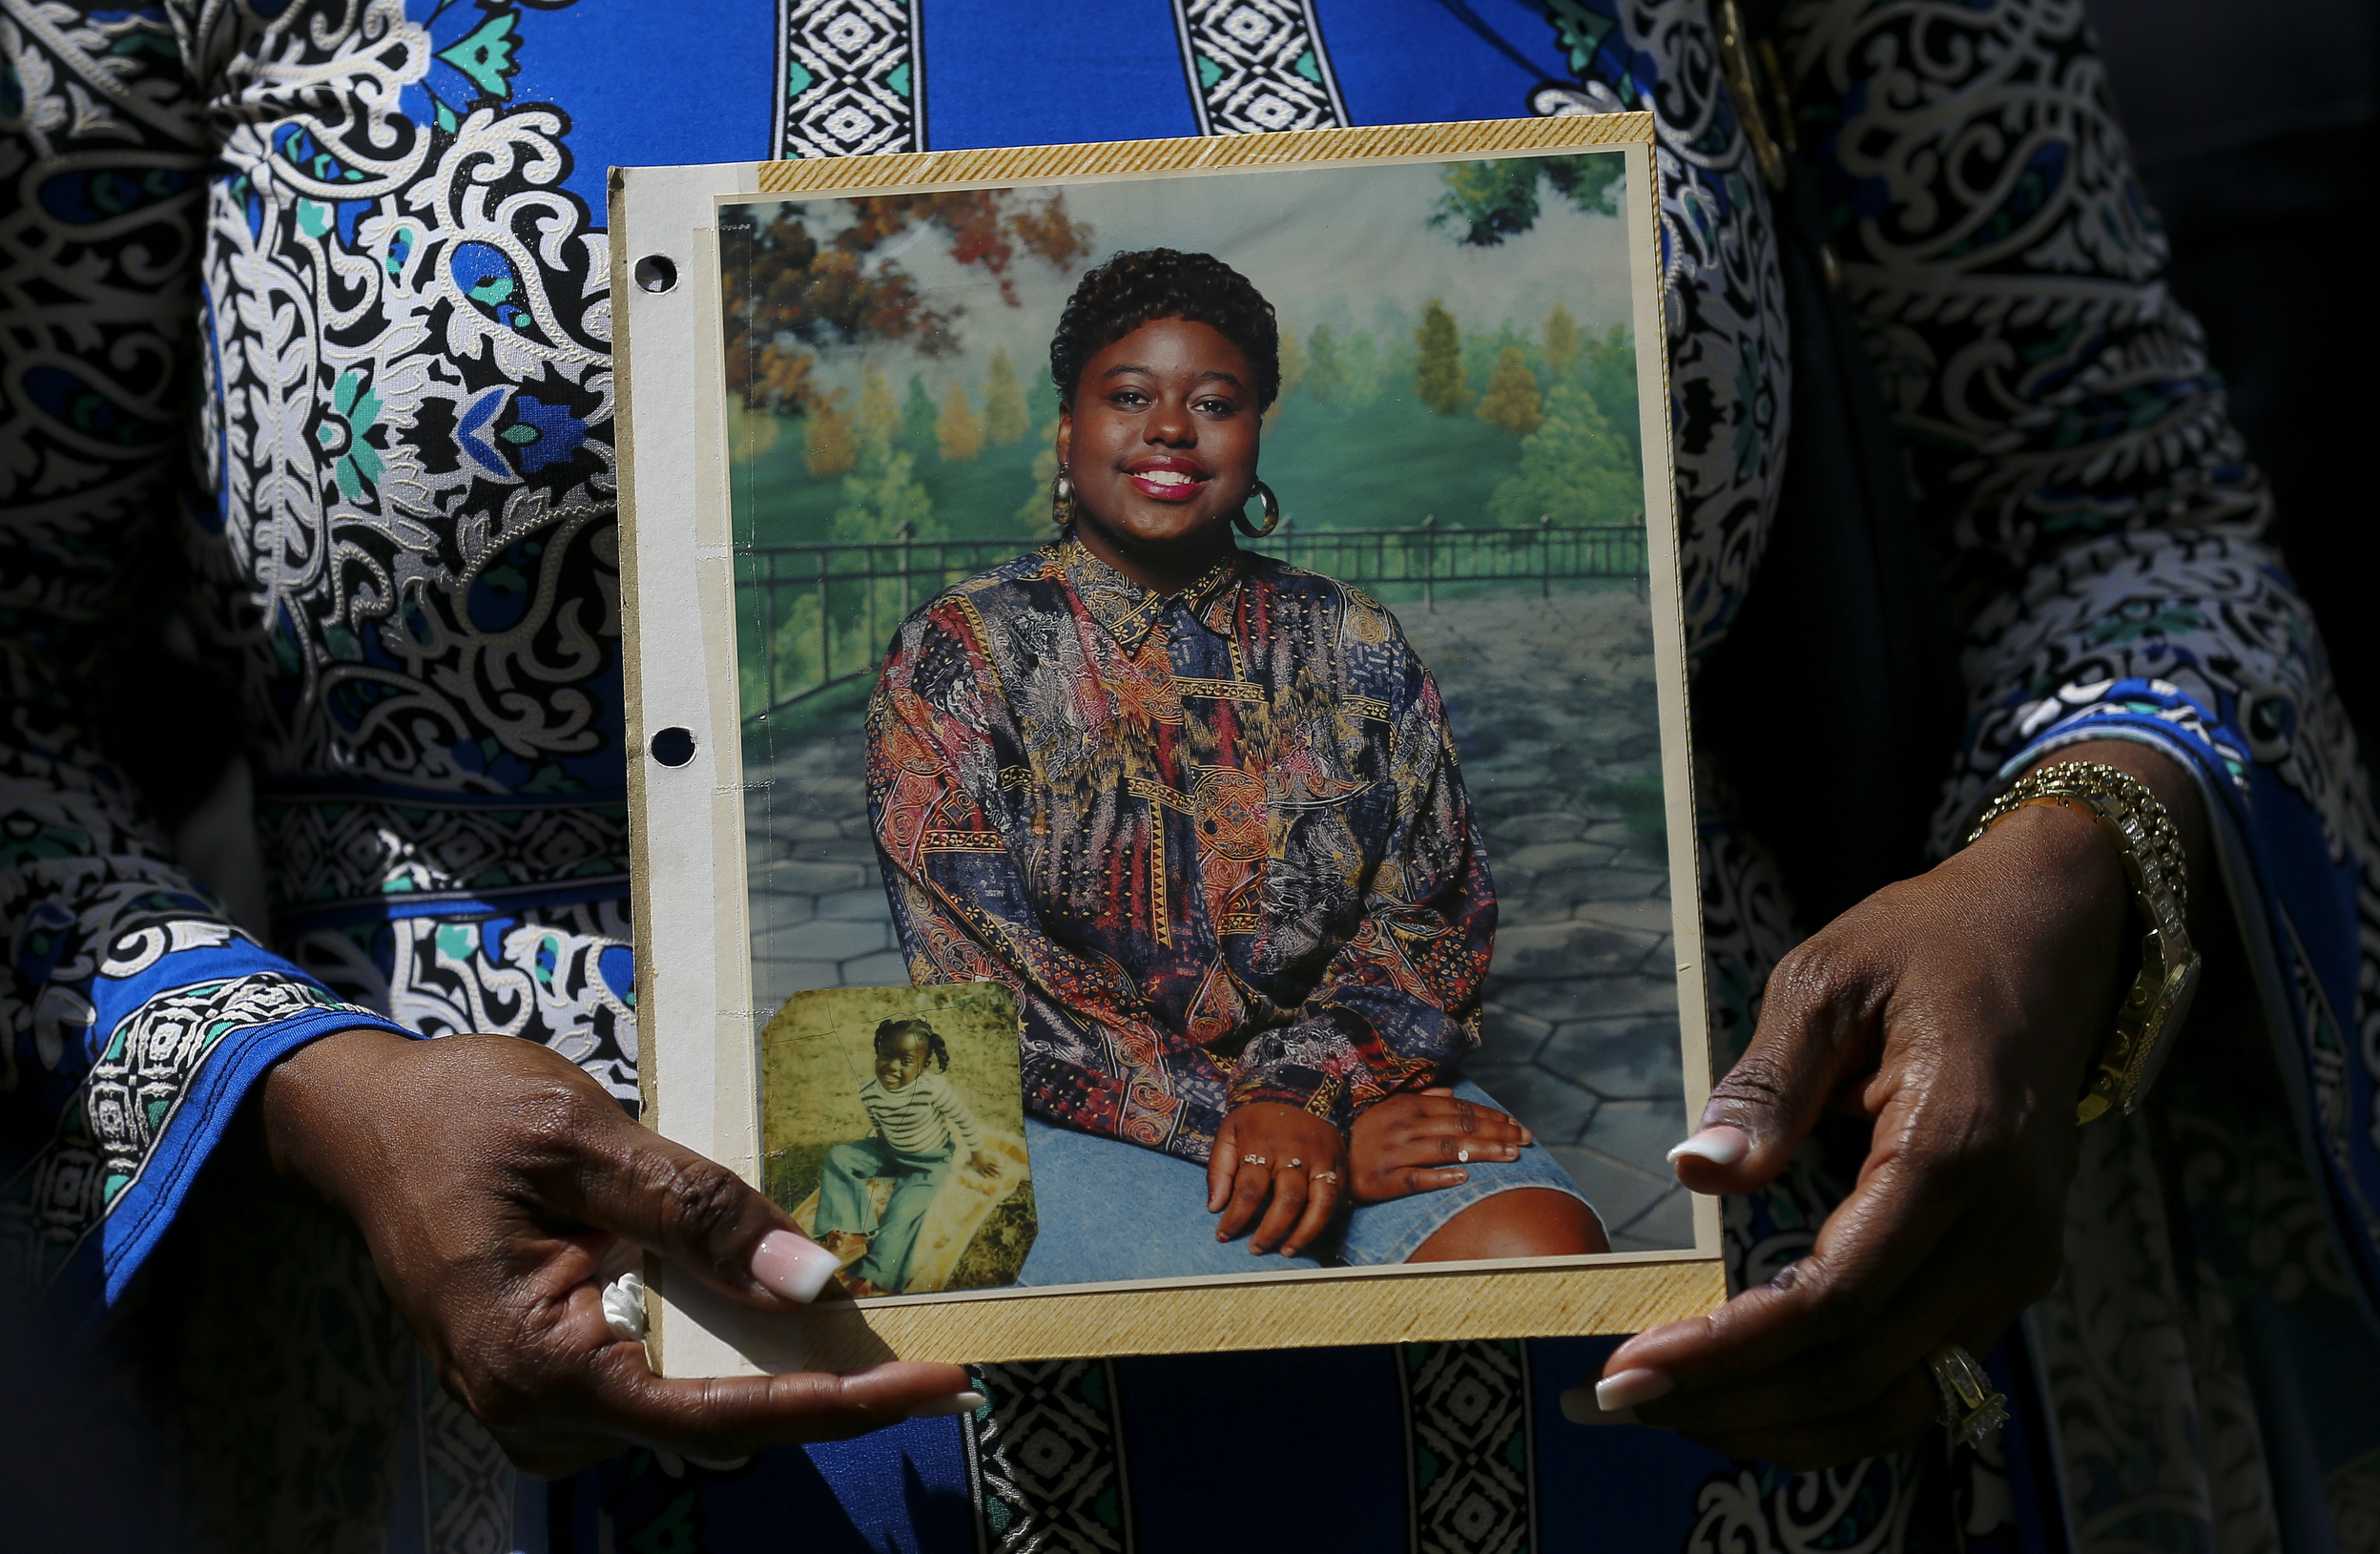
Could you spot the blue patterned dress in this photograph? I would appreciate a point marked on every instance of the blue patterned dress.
(308, 398)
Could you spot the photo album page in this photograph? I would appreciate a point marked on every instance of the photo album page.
(1164, 800)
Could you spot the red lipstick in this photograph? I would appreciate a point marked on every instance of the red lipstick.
(1166, 477)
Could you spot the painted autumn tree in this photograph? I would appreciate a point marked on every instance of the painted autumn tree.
(1292, 363)
(829, 449)
(1563, 341)
(1437, 374)
(795, 287)
(1003, 401)
(1511, 401)
(956, 431)
(880, 413)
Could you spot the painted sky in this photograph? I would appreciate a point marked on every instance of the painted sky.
(1325, 245)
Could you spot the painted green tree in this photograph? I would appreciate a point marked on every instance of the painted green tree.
(1437, 372)
(1033, 512)
(882, 499)
(1609, 375)
(1574, 469)
(918, 415)
(1325, 374)
(1361, 374)
(1005, 419)
(1486, 202)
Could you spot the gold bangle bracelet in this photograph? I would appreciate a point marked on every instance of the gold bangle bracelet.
(2130, 816)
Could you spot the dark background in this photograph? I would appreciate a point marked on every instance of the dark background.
(2254, 129)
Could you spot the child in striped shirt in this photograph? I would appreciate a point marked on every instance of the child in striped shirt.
(922, 1126)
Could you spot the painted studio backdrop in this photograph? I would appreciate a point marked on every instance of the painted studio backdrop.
(1457, 436)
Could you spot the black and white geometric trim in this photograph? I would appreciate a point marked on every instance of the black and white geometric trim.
(1257, 66)
(852, 77)
(1470, 1449)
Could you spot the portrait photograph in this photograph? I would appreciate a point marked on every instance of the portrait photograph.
(893, 1131)
(1220, 628)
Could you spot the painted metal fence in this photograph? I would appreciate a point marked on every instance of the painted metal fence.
(816, 617)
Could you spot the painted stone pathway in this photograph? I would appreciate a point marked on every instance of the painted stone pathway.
(1554, 716)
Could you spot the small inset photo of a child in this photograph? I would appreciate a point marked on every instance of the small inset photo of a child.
(893, 1131)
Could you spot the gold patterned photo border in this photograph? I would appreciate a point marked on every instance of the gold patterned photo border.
(686, 825)
(1190, 153)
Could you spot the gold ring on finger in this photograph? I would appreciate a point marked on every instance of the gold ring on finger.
(1972, 1409)
(1329, 1176)
(1254, 1160)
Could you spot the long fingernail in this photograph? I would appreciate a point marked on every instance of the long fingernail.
(791, 1266)
(1579, 1407)
(958, 1403)
(1722, 1145)
(1617, 1394)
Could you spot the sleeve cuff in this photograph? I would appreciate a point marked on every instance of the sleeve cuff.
(100, 1194)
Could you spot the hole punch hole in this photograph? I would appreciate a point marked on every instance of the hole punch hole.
(673, 747)
(655, 273)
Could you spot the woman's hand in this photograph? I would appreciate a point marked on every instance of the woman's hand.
(1958, 1010)
(1421, 1142)
(1271, 1153)
(492, 1181)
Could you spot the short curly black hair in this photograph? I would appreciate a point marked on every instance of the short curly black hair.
(1131, 289)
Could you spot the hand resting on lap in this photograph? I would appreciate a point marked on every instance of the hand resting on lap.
(1287, 1172)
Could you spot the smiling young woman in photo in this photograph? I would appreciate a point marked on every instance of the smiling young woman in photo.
(1201, 809)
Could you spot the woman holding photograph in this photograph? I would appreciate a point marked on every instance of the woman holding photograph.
(306, 452)
(1201, 809)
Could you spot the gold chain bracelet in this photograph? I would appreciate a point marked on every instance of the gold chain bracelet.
(2131, 816)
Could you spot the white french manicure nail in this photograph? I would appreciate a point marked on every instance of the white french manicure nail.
(1722, 1146)
(958, 1403)
(1618, 1393)
(792, 1266)
(1577, 1406)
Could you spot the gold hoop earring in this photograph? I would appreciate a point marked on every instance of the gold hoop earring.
(1062, 499)
(1271, 504)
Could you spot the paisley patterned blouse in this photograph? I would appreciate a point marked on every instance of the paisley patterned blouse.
(1216, 840)
(307, 353)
